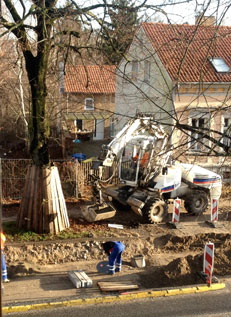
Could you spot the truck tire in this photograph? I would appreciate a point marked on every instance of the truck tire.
(156, 211)
(196, 203)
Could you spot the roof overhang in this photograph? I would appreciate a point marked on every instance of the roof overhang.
(71, 116)
(203, 83)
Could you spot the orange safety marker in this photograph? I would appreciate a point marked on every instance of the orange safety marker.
(176, 211)
(214, 210)
(209, 276)
(208, 261)
(213, 222)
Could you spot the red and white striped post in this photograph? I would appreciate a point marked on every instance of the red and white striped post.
(209, 276)
(176, 211)
(208, 261)
(214, 210)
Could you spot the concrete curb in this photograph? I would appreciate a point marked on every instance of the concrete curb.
(116, 298)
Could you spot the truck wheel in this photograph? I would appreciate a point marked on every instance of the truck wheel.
(157, 211)
(197, 202)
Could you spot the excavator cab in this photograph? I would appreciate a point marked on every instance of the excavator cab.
(129, 163)
(133, 161)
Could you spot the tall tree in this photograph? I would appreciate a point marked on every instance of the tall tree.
(43, 206)
(118, 33)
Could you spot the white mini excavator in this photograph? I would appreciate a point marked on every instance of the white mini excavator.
(148, 180)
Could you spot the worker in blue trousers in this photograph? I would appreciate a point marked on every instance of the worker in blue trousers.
(114, 250)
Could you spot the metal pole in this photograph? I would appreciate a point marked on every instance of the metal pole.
(1, 230)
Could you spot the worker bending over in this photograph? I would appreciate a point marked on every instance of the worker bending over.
(114, 250)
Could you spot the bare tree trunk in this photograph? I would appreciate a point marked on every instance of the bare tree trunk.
(43, 207)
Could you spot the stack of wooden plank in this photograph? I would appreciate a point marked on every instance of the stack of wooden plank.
(117, 286)
(54, 203)
(43, 207)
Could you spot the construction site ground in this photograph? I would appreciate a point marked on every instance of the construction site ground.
(173, 256)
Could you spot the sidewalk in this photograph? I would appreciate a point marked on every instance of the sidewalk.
(53, 288)
(51, 284)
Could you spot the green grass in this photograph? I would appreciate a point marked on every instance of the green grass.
(15, 235)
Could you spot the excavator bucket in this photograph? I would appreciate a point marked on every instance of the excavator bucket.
(98, 212)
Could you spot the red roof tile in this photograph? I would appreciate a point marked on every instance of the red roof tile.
(184, 50)
(91, 79)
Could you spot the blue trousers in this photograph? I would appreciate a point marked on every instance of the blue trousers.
(115, 258)
(4, 270)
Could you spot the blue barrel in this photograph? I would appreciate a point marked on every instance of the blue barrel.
(79, 156)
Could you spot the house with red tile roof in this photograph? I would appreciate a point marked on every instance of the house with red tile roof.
(88, 94)
(90, 79)
(180, 74)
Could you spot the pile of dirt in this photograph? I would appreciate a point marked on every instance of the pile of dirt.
(179, 272)
(185, 271)
(173, 257)
(193, 242)
(166, 266)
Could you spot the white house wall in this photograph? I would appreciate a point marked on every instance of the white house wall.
(136, 95)
(193, 100)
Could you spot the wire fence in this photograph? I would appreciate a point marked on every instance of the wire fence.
(74, 176)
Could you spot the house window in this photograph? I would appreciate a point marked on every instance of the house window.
(227, 131)
(219, 64)
(89, 104)
(197, 140)
(146, 71)
(134, 70)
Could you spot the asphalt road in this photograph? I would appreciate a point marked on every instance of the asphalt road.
(217, 303)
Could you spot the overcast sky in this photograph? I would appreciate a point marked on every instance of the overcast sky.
(186, 12)
(178, 13)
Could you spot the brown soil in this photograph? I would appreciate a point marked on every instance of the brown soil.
(173, 256)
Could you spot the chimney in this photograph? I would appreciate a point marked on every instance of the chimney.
(205, 20)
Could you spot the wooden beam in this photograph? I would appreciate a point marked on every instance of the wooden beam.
(58, 219)
(24, 201)
(117, 286)
(43, 207)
